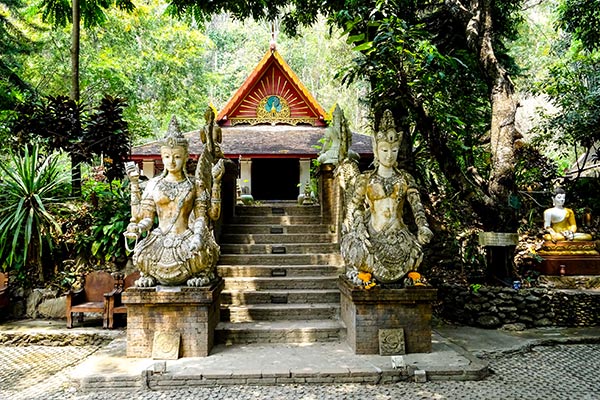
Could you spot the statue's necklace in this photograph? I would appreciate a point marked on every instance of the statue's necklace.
(387, 183)
(174, 189)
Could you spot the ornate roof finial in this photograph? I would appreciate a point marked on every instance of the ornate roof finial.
(387, 129)
(174, 137)
(273, 43)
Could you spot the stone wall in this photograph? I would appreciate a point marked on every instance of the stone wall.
(493, 307)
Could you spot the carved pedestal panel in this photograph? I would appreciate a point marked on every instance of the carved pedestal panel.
(569, 258)
(189, 313)
(366, 312)
(576, 264)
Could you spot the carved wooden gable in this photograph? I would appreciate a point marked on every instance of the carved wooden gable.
(272, 94)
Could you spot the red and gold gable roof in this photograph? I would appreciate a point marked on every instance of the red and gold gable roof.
(272, 94)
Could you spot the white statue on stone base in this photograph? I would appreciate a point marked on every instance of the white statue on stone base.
(376, 244)
(180, 249)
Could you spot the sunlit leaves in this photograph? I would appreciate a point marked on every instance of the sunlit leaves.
(31, 183)
(582, 19)
(59, 12)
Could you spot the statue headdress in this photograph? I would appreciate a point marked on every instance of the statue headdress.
(387, 129)
(174, 137)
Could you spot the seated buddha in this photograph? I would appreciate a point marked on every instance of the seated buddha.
(561, 237)
(559, 222)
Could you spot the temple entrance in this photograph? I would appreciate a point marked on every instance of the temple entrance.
(275, 178)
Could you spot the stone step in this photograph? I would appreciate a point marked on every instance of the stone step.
(286, 331)
(278, 312)
(277, 219)
(250, 238)
(277, 209)
(284, 296)
(262, 229)
(281, 283)
(283, 248)
(281, 259)
(275, 271)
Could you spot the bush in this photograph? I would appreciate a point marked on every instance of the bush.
(33, 187)
(93, 230)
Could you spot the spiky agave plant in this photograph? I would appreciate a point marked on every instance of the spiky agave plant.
(30, 183)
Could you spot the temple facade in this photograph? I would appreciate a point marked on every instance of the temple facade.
(272, 129)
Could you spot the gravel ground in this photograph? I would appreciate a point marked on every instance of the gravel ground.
(546, 372)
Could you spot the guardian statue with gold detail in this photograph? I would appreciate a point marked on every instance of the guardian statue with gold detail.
(181, 249)
(376, 244)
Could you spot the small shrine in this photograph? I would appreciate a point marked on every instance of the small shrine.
(272, 129)
(566, 250)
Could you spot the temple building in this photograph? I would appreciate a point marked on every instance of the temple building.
(272, 128)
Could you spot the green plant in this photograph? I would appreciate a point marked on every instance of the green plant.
(32, 183)
(63, 124)
(315, 172)
(475, 287)
(110, 213)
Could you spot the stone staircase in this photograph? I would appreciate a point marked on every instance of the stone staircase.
(280, 264)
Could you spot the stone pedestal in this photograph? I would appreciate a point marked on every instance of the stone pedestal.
(576, 264)
(569, 258)
(193, 313)
(329, 194)
(499, 250)
(365, 312)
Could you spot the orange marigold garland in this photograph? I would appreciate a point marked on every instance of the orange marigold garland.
(367, 279)
(414, 278)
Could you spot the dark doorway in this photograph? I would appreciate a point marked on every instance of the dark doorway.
(275, 178)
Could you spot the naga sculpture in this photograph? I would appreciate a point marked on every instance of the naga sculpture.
(182, 248)
(337, 139)
(376, 243)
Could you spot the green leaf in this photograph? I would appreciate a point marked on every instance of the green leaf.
(96, 247)
(355, 38)
(363, 47)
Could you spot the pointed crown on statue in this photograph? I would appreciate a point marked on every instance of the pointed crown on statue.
(174, 137)
(387, 129)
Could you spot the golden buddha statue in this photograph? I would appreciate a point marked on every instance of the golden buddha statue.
(559, 222)
(561, 235)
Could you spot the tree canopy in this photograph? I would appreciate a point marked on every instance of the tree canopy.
(415, 55)
(441, 66)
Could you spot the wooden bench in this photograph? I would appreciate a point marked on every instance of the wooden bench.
(91, 297)
(4, 299)
(113, 299)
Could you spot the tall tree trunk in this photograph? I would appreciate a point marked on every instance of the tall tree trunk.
(504, 108)
(478, 23)
(75, 36)
(75, 95)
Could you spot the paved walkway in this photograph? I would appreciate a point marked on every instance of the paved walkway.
(520, 367)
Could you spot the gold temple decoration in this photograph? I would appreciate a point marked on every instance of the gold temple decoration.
(272, 108)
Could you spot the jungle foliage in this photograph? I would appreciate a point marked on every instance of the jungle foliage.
(61, 124)
(450, 70)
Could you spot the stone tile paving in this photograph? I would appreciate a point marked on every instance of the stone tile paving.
(561, 372)
(33, 372)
